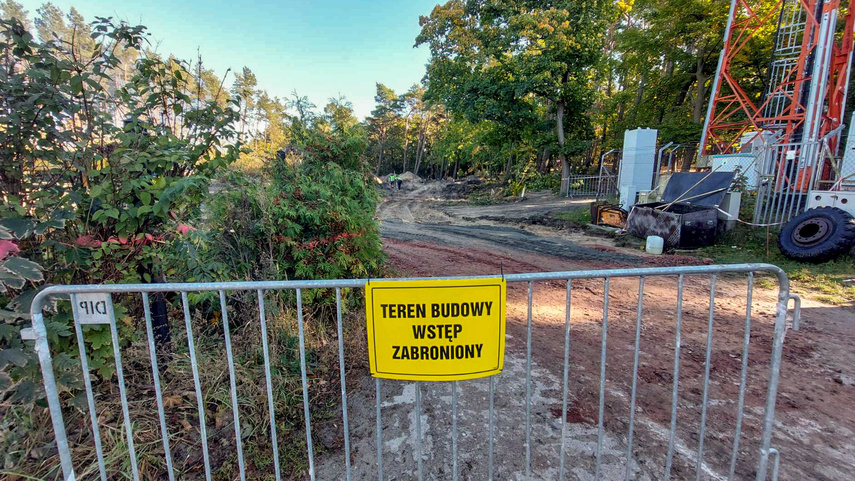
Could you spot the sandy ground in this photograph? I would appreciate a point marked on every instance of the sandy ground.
(428, 235)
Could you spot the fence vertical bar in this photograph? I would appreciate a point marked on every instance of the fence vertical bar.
(152, 350)
(305, 381)
(634, 378)
(232, 384)
(566, 381)
(43, 352)
(90, 396)
(707, 367)
(799, 181)
(490, 427)
(454, 430)
(602, 376)
(764, 189)
(797, 311)
(743, 377)
(774, 374)
(784, 184)
(197, 384)
(117, 355)
(377, 397)
(341, 370)
(528, 387)
(776, 463)
(676, 381)
(262, 319)
(793, 183)
(773, 164)
(771, 158)
(785, 178)
(419, 428)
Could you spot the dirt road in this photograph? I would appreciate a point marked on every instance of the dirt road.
(419, 216)
(428, 236)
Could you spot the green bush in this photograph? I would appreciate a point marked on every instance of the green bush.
(309, 221)
(533, 181)
(87, 199)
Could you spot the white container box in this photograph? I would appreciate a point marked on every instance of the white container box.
(636, 164)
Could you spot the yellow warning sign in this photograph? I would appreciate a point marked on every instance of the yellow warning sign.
(435, 330)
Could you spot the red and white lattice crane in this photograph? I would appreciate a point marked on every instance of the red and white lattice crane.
(798, 119)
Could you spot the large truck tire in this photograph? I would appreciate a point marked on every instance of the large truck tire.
(818, 235)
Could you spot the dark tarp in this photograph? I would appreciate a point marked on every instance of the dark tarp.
(681, 181)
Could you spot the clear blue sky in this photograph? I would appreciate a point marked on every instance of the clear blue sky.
(321, 47)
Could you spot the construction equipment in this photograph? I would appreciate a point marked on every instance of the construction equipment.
(603, 213)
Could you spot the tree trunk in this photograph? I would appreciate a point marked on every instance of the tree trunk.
(565, 168)
(456, 167)
(698, 110)
(639, 96)
(543, 161)
(688, 155)
(609, 87)
(406, 141)
(242, 119)
(510, 164)
(379, 159)
(669, 69)
(621, 109)
(419, 152)
(382, 140)
(701, 91)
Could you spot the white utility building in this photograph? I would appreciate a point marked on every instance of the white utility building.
(637, 164)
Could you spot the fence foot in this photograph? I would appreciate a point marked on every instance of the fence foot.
(797, 310)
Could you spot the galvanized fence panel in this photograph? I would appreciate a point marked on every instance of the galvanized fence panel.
(789, 171)
(762, 455)
(597, 186)
(785, 177)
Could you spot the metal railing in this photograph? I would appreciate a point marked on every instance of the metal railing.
(713, 273)
(597, 186)
(788, 172)
(785, 177)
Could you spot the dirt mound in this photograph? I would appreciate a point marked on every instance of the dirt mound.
(410, 177)
(463, 188)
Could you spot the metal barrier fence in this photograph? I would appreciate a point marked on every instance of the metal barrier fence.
(787, 172)
(680, 274)
(590, 185)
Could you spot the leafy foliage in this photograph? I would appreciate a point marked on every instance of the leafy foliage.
(313, 220)
(515, 63)
(96, 170)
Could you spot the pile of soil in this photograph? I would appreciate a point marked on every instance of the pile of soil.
(411, 177)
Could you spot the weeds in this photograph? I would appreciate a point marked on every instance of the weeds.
(577, 215)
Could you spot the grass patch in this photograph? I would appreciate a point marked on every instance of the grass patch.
(823, 282)
(576, 215)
